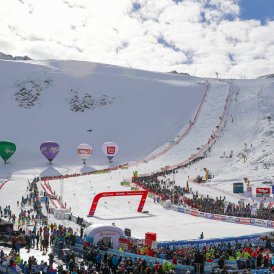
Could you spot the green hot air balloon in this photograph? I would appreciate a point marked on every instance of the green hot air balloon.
(7, 149)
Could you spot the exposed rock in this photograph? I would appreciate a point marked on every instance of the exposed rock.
(4, 56)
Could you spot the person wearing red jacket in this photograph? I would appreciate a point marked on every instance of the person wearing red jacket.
(174, 259)
(150, 252)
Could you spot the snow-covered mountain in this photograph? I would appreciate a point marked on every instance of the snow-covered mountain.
(74, 102)
(157, 119)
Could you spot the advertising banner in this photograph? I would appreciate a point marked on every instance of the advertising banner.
(262, 192)
(248, 192)
(218, 217)
(245, 221)
(261, 222)
(209, 215)
(232, 219)
(187, 210)
(194, 212)
(203, 242)
(238, 187)
(150, 237)
(124, 243)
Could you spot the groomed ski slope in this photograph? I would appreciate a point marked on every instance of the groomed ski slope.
(250, 104)
(168, 224)
(207, 120)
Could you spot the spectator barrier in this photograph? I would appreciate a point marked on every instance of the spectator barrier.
(146, 258)
(3, 183)
(49, 195)
(100, 171)
(232, 266)
(179, 268)
(5, 269)
(225, 218)
(53, 195)
(201, 243)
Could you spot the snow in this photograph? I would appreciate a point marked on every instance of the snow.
(168, 224)
(145, 111)
(142, 112)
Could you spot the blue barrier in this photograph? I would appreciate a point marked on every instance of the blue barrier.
(148, 259)
(135, 256)
(4, 269)
(198, 243)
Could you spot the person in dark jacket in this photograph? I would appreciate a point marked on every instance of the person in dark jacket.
(28, 242)
(81, 231)
(105, 270)
(199, 262)
(221, 263)
(51, 257)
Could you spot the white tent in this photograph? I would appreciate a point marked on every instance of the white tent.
(108, 234)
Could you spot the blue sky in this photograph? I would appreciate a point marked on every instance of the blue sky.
(257, 9)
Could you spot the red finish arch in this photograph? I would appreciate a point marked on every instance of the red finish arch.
(142, 193)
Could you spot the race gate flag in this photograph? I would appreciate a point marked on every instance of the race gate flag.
(273, 189)
(262, 192)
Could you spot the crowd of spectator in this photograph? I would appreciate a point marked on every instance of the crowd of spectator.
(106, 170)
(42, 239)
(248, 255)
(94, 260)
(219, 205)
(6, 212)
(166, 189)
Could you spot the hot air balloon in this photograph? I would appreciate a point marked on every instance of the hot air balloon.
(7, 149)
(110, 149)
(50, 150)
(84, 151)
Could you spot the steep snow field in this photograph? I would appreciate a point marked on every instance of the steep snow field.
(252, 101)
(60, 101)
(144, 113)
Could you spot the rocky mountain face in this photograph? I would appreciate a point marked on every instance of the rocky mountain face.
(4, 56)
